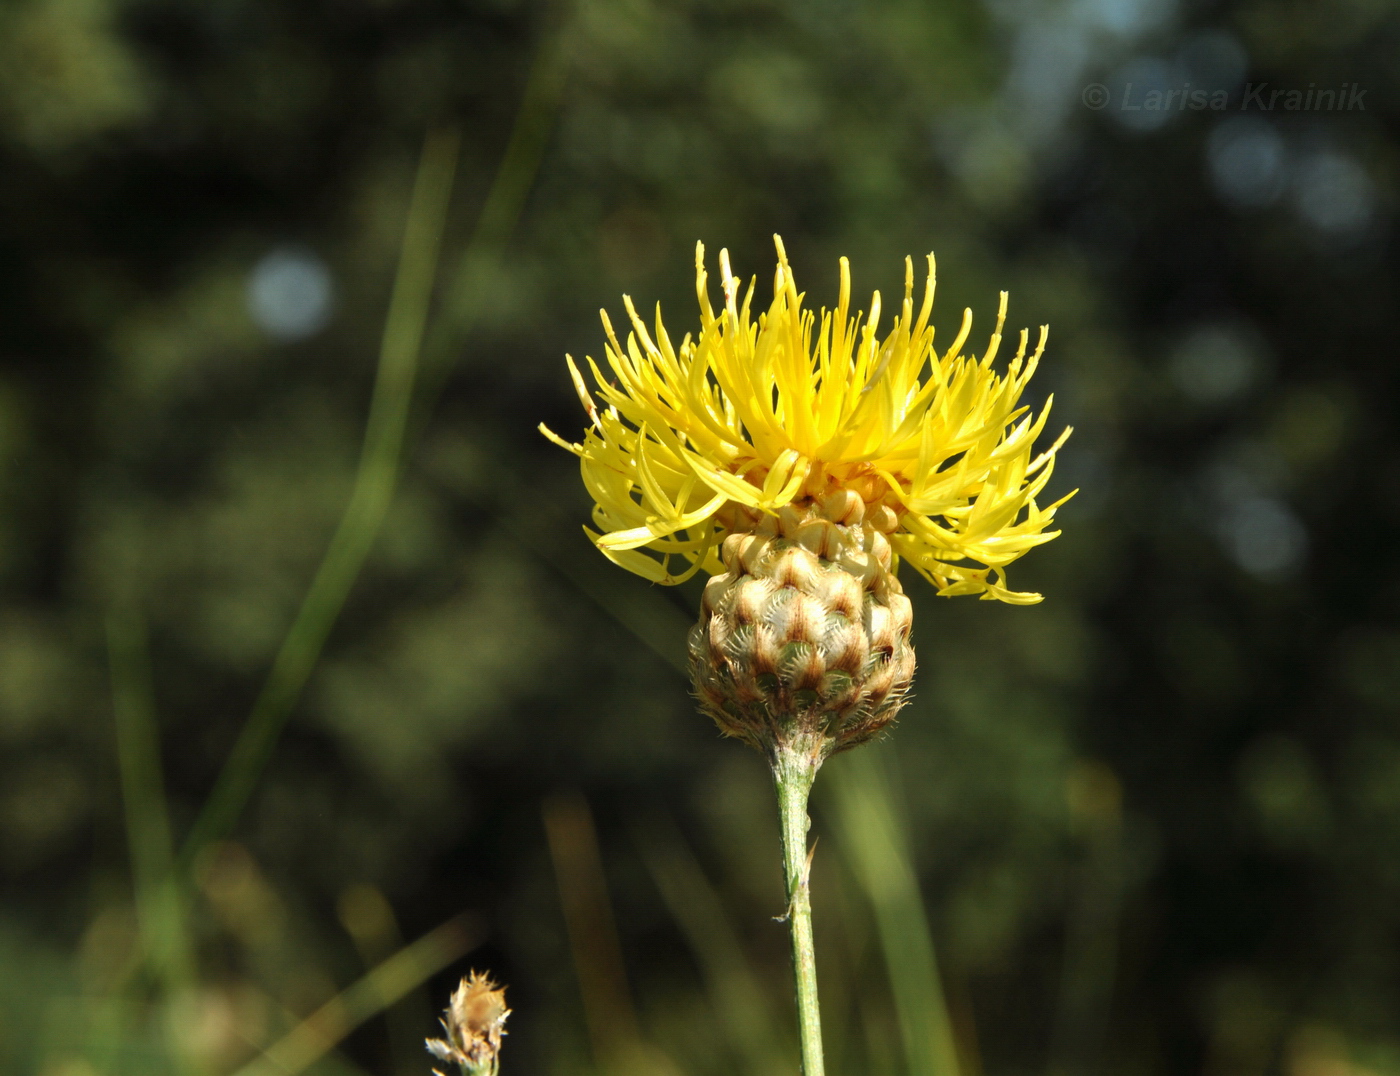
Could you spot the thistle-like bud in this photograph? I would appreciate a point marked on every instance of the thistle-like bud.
(803, 639)
(474, 1022)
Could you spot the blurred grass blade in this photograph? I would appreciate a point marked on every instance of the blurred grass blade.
(875, 845)
(369, 919)
(165, 937)
(1091, 938)
(583, 893)
(369, 501)
(618, 1046)
(738, 997)
(505, 201)
(319, 1033)
(654, 621)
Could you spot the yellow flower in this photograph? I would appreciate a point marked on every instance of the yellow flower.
(699, 441)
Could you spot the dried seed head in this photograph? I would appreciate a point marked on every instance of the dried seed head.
(803, 639)
(474, 1021)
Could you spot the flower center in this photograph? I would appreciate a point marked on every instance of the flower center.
(845, 493)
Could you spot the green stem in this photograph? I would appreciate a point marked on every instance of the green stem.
(793, 773)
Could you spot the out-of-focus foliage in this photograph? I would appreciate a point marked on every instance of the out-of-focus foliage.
(1155, 820)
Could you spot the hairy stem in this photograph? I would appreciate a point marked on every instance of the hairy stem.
(794, 770)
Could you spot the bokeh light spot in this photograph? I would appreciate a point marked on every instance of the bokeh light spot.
(1334, 194)
(1216, 362)
(1247, 161)
(1264, 536)
(290, 294)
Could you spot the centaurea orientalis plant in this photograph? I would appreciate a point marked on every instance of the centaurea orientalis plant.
(797, 459)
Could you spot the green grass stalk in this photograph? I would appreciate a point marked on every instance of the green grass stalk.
(166, 945)
(505, 200)
(874, 843)
(318, 1034)
(736, 993)
(373, 491)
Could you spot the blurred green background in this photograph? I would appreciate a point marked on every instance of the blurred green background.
(1150, 826)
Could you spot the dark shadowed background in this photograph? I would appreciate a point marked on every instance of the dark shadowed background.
(1155, 821)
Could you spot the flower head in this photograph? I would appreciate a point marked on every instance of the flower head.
(797, 410)
(474, 1022)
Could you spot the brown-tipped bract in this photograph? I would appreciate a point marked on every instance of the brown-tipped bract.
(803, 639)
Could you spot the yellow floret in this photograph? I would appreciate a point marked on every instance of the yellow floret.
(695, 442)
